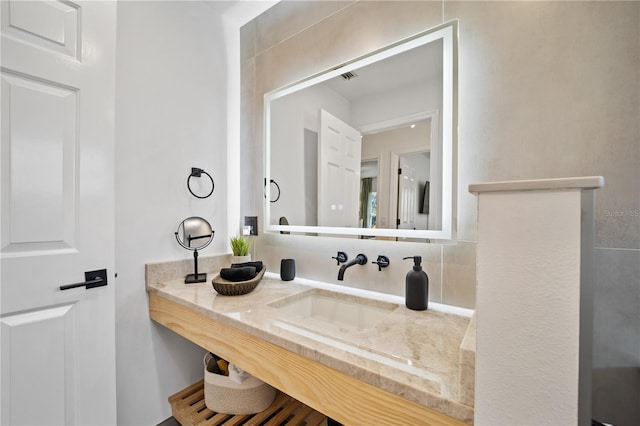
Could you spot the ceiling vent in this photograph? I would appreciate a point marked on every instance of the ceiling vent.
(348, 75)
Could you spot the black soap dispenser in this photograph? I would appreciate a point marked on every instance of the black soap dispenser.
(417, 286)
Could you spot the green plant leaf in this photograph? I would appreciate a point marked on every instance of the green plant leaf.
(240, 246)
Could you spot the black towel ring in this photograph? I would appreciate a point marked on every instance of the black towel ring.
(196, 172)
(277, 186)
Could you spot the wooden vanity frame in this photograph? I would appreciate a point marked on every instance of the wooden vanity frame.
(335, 394)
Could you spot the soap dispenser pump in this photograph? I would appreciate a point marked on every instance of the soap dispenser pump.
(417, 286)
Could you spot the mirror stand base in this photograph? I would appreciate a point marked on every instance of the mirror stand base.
(195, 278)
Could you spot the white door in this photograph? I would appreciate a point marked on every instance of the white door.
(407, 196)
(339, 153)
(57, 215)
(387, 190)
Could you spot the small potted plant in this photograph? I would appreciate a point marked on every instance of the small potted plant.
(240, 248)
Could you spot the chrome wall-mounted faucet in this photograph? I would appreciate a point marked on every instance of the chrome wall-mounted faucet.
(382, 262)
(360, 259)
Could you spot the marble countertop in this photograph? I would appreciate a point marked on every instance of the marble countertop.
(585, 182)
(418, 355)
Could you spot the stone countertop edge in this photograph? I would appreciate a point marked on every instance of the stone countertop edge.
(584, 183)
(375, 373)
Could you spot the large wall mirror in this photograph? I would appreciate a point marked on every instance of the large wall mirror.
(367, 148)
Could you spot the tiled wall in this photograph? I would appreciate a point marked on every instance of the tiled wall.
(546, 89)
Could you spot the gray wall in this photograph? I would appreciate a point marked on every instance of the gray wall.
(546, 89)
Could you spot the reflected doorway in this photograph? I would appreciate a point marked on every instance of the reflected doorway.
(369, 194)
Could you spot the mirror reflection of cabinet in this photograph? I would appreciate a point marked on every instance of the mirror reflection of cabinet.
(407, 87)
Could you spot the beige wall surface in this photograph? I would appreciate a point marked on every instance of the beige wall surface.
(545, 89)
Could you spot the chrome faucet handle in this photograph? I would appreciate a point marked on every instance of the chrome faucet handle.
(382, 262)
(341, 257)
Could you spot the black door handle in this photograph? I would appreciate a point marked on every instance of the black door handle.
(92, 279)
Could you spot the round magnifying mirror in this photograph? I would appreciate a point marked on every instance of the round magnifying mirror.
(194, 233)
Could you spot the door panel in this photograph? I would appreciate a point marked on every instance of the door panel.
(44, 372)
(50, 25)
(58, 84)
(41, 119)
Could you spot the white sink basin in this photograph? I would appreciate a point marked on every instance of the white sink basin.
(338, 309)
(378, 330)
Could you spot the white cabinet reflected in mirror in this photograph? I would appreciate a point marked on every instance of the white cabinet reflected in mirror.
(366, 149)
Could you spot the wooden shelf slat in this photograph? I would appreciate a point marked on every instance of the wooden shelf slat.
(189, 409)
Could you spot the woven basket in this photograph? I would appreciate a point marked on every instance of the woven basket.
(223, 395)
(230, 288)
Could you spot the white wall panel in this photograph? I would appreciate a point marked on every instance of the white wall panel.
(170, 116)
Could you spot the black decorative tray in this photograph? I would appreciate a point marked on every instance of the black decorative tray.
(231, 288)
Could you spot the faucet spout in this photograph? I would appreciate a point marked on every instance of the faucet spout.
(360, 259)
